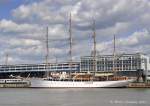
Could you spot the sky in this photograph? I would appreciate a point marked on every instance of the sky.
(23, 28)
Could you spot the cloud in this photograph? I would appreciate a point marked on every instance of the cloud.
(10, 26)
(137, 38)
(23, 36)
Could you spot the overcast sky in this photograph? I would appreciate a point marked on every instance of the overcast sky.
(23, 28)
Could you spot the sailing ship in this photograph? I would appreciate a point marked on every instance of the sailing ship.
(79, 80)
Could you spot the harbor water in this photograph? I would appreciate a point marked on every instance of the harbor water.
(74, 97)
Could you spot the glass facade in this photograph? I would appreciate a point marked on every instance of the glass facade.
(123, 62)
(40, 67)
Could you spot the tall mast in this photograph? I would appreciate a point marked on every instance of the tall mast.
(47, 52)
(70, 44)
(114, 53)
(94, 48)
(70, 38)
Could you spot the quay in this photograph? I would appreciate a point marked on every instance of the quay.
(139, 85)
(131, 85)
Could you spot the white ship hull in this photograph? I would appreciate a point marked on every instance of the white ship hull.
(40, 83)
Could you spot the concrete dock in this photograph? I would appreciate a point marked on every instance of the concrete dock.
(139, 85)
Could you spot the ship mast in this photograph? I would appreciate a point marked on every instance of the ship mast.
(94, 48)
(70, 44)
(70, 38)
(6, 59)
(47, 53)
(114, 54)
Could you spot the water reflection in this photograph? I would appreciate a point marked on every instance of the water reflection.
(75, 97)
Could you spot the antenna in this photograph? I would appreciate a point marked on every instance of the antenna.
(94, 47)
(47, 52)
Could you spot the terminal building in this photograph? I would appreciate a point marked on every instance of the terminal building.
(123, 64)
(37, 70)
